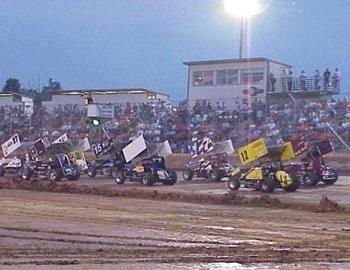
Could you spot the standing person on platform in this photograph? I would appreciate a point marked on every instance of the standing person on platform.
(284, 76)
(326, 76)
(336, 78)
(317, 77)
(290, 81)
(302, 80)
(272, 80)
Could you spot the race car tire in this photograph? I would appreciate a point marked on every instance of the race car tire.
(311, 179)
(294, 186)
(74, 177)
(233, 182)
(215, 175)
(91, 172)
(2, 171)
(19, 172)
(54, 176)
(172, 180)
(330, 182)
(187, 174)
(26, 175)
(266, 185)
(149, 179)
(119, 177)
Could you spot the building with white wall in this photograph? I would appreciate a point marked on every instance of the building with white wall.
(237, 81)
(231, 80)
(13, 99)
(104, 96)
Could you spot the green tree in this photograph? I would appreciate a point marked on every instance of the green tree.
(12, 85)
(52, 87)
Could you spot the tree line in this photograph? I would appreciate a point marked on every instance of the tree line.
(14, 85)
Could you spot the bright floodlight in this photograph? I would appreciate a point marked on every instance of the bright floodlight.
(242, 8)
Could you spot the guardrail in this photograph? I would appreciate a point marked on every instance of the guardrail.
(293, 84)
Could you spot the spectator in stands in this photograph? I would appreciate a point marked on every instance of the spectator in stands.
(302, 80)
(317, 77)
(326, 76)
(159, 121)
(272, 80)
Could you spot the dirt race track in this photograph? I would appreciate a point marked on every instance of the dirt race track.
(95, 224)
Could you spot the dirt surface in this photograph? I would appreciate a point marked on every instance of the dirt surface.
(320, 198)
(94, 223)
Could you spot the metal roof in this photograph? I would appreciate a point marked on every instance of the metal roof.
(107, 91)
(10, 93)
(230, 61)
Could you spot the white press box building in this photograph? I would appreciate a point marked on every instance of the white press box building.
(104, 96)
(232, 80)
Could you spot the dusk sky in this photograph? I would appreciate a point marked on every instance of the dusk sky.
(143, 43)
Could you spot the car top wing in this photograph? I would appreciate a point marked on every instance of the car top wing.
(134, 148)
(160, 149)
(224, 147)
(252, 151)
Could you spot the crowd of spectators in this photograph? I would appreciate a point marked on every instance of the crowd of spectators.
(159, 121)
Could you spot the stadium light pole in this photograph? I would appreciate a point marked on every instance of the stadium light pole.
(244, 10)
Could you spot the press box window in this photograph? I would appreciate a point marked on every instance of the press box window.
(221, 77)
(252, 76)
(203, 78)
(232, 76)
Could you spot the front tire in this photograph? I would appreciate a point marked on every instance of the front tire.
(294, 186)
(54, 176)
(92, 172)
(215, 175)
(311, 179)
(2, 171)
(119, 177)
(187, 174)
(74, 177)
(26, 175)
(234, 182)
(266, 185)
(149, 179)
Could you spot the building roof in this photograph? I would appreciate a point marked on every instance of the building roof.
(107, 91)
(230, 61)
(10, 93)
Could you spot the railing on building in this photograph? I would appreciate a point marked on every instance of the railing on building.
(305, 86)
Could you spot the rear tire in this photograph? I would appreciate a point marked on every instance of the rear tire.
(187, 174)
(333, 180)
(266, 185)
(149, 179)
(234, 183)
(119, 177)
(172, 180)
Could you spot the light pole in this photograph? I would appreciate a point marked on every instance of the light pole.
(244, 10)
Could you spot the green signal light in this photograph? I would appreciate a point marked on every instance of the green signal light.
(96, 122)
